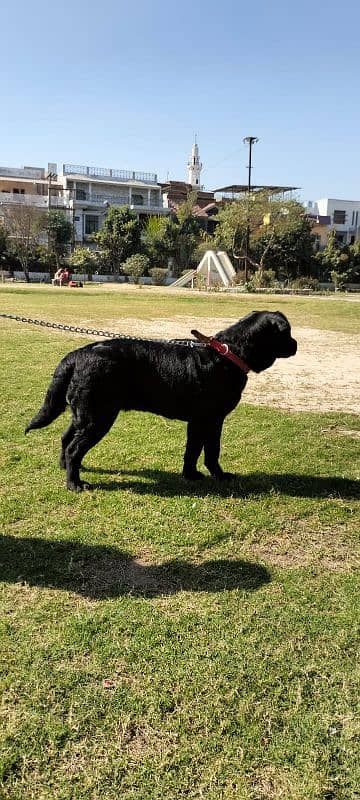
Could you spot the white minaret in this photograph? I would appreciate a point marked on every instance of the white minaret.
(194, 166)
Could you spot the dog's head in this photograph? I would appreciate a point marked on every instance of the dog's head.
(262, 336)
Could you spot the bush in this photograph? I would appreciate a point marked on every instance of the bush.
(262, 279)
(84, 260)
(339, 278)
(135, 266)
(158, 275)
(239, 278)
(305, 283)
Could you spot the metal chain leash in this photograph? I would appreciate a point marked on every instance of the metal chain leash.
(93, 331)
(72, 328)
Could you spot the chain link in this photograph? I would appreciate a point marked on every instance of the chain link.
(71, 328)
(93, 331)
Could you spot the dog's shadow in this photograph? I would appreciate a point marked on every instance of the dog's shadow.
(169, 484)
(99, 572)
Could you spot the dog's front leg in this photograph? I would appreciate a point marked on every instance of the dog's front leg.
(194, 446)
(212, 450)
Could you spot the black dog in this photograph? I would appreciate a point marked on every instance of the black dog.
(180, 380)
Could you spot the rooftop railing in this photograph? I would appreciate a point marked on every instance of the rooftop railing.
(113, 174)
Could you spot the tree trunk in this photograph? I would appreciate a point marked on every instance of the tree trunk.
(25, 269)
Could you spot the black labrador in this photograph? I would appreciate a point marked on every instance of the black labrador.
(183, 380)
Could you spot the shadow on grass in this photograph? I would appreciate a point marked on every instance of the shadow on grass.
(169, 484)
(99, 572)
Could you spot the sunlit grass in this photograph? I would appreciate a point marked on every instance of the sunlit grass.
(160, 640)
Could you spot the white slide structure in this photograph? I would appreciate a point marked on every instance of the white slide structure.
(216, 268)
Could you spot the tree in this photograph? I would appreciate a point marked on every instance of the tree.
(155, 240)
(287, 247)
(24, 226)
(60, 231)
(183, 234)
(84, 260)
(3, 243)
(119, 237)
(279, 232)
(340, 263)
(136, 266)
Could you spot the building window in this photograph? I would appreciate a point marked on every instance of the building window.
(80, 194)
(138, 200)
(339, 217)
(352, 239)
(91, 224)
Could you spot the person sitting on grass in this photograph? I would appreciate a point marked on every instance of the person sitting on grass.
(56, 281)
(65, 277)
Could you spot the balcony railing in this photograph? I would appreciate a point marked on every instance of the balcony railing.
(113, 174)
(115, 200)
(37, 200)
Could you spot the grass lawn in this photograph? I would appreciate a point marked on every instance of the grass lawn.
(162, 641)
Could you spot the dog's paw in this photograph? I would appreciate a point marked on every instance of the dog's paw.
(78, 487)
(195, 475)
(223, 476)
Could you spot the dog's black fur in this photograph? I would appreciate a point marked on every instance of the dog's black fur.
(179, 380)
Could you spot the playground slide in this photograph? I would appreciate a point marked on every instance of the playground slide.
(183, 280)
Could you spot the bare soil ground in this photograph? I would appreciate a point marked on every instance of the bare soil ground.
(323, 376)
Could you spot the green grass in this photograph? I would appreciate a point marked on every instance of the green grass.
(160, 641)
(97, 305)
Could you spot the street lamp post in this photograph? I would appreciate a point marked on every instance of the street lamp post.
(250, 140)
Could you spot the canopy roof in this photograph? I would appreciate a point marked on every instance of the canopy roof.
(238, 188)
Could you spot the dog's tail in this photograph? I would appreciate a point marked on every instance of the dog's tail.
(55, 399)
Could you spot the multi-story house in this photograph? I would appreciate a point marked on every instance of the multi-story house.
(94, 189)
(84, 193)
(34, 186)
(341, 215)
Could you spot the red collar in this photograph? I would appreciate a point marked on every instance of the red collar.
(223, 349)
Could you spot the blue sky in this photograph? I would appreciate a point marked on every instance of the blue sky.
(127, 85)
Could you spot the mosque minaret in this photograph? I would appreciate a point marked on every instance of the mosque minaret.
(194, 166)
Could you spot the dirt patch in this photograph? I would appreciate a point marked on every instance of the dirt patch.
(323, 376)
(303, 544)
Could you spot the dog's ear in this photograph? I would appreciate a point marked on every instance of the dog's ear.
(280, 322)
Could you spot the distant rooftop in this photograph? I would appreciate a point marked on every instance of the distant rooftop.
(112, 174)
(240, 188)
(32, 173)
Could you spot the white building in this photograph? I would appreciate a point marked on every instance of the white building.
(342, 215)
(84, 193)
(34, 186)
(93, 189)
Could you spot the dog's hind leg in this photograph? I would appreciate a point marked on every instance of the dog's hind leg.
(194, 446)
(66, 438)
(85, 437)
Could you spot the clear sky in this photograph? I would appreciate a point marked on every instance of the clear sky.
(128, 84)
